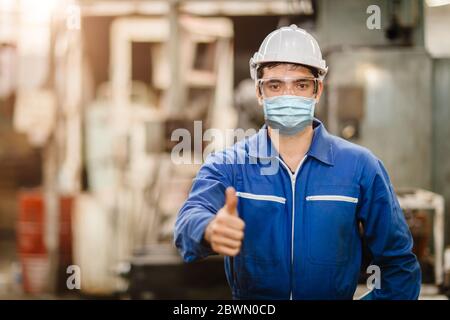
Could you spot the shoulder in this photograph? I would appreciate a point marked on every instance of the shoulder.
(229, 155)
(349, 152)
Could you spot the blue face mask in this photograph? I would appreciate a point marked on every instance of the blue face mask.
(289, 114)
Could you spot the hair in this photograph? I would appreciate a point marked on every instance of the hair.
(262, 66)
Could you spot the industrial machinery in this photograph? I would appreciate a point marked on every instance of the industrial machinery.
(135, 189)
(424, 212)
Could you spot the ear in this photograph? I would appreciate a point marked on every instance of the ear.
(319, 90)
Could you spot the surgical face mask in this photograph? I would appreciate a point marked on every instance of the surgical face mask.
(289, 114)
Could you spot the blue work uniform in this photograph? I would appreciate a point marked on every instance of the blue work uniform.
(302, 238)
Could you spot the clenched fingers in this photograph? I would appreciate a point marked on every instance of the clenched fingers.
(228, 242)
(228, 232)
(223, 250)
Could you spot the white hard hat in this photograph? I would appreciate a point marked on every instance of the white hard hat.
(289, 44)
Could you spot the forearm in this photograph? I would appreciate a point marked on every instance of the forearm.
(400, 279)
(189, 233)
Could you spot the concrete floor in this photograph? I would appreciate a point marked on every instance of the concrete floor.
(427, 292)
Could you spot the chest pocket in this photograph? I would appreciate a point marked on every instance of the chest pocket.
(331, 222)
(263, 217)
(257, 265)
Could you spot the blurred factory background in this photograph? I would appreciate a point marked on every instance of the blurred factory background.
(91, 91)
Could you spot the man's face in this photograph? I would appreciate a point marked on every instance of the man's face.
(287, 71)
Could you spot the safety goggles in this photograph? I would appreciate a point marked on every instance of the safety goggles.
(302, 86)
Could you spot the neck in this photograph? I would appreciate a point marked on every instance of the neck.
(292, 148)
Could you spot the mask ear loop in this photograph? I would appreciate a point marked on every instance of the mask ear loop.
(316, 87)
(258, 85)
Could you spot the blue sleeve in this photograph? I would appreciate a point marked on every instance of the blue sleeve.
(388, 236)
(207, 196)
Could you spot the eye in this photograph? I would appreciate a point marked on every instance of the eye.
(274, 85)
(303, 85)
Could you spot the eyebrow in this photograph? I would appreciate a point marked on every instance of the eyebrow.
(289, 78)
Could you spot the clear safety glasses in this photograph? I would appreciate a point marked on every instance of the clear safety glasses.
(305, 87)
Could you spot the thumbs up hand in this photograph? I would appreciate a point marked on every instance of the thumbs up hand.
(226, 231)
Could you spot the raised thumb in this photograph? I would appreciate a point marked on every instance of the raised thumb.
(231, 200)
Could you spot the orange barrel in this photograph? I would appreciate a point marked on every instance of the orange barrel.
(65, 230)
(65, 239)
(31, 243)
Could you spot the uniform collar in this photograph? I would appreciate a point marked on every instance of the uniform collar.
(260, 146)
(321, 146)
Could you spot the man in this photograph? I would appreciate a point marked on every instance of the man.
(294, 233)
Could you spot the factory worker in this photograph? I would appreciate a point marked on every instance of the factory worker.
(290, 206)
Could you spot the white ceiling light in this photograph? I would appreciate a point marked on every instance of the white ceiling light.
(437, 3)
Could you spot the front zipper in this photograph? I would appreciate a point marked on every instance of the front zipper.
(293, 180)
(233, 274)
